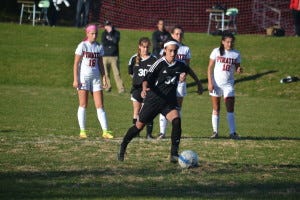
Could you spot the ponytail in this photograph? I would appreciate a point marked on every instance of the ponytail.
(222, 50)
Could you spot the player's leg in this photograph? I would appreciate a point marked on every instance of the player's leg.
(149, 130)
(81, 113)
(163, 123)
(131, 133)
(216, 95)
(101, 114)
(174, 117)
(116, 71)
(229, 102)
(136, 108)
(106, 64)
(146, 115)
(181, 93)
(229, 99)
(215, 118)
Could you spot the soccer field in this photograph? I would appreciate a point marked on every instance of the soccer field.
(42, 157)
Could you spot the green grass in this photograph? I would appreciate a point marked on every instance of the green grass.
(41, 156)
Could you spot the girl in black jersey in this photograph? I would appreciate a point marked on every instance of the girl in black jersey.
(159, 93)
(138, 67)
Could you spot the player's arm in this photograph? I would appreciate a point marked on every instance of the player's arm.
(130, 67)
(148, 80)
(238, 68)
(77, 60)
(196, 79)
(210, 70)
(102, 71)
(145, 89)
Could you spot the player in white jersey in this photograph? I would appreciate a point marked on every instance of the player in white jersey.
(184, 55)
(224, 61)
(88, 68)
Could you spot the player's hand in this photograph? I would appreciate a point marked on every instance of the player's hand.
(75, 84)
(144, 93)
(200, 88)
(210, 87)
(182, 77)
(104, 82)
(239, 70)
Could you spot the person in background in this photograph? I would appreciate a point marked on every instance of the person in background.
(223, 62)
(88, 70)
(295, 7)
(54, 10)
(159, 37)
(110, 41)
(82, 12)
(138, 67)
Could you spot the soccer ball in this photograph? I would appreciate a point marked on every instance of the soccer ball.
(188, 159)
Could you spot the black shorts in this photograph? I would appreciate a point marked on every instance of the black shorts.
(136, 95)
(152, 107)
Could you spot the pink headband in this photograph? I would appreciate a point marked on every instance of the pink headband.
(90, 28)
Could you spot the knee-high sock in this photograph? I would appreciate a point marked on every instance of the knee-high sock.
(175, 136)
(163, 122)
(231, 122)
(131, 133)
(134, 121)
(102, 118)
(149, 128)
(81, 115)
(215, 122)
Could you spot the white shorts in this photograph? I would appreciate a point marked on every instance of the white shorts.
(224, 90)
(181, 89)
(90, 84)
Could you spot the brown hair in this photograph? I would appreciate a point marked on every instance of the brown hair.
(141, 41)
(224, 36)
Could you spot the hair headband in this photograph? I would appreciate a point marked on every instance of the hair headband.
(90, 28)
(171, 43)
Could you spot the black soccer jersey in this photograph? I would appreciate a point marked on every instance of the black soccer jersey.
(163, 79)
(139, 71)
(158, 40)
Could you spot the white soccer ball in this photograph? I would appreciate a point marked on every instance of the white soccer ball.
(188, 159)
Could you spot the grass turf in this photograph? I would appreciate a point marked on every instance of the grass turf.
(41, 156)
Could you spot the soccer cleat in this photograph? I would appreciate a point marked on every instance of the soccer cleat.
(161, 136)
(149, 137)
(107, 134)
(83, 134)
(234, 136)
(215, 135)
(174, 159)
(120, 157)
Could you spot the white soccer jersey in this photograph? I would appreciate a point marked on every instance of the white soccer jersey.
(183, 53)
(224, 66)
(90, 53)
